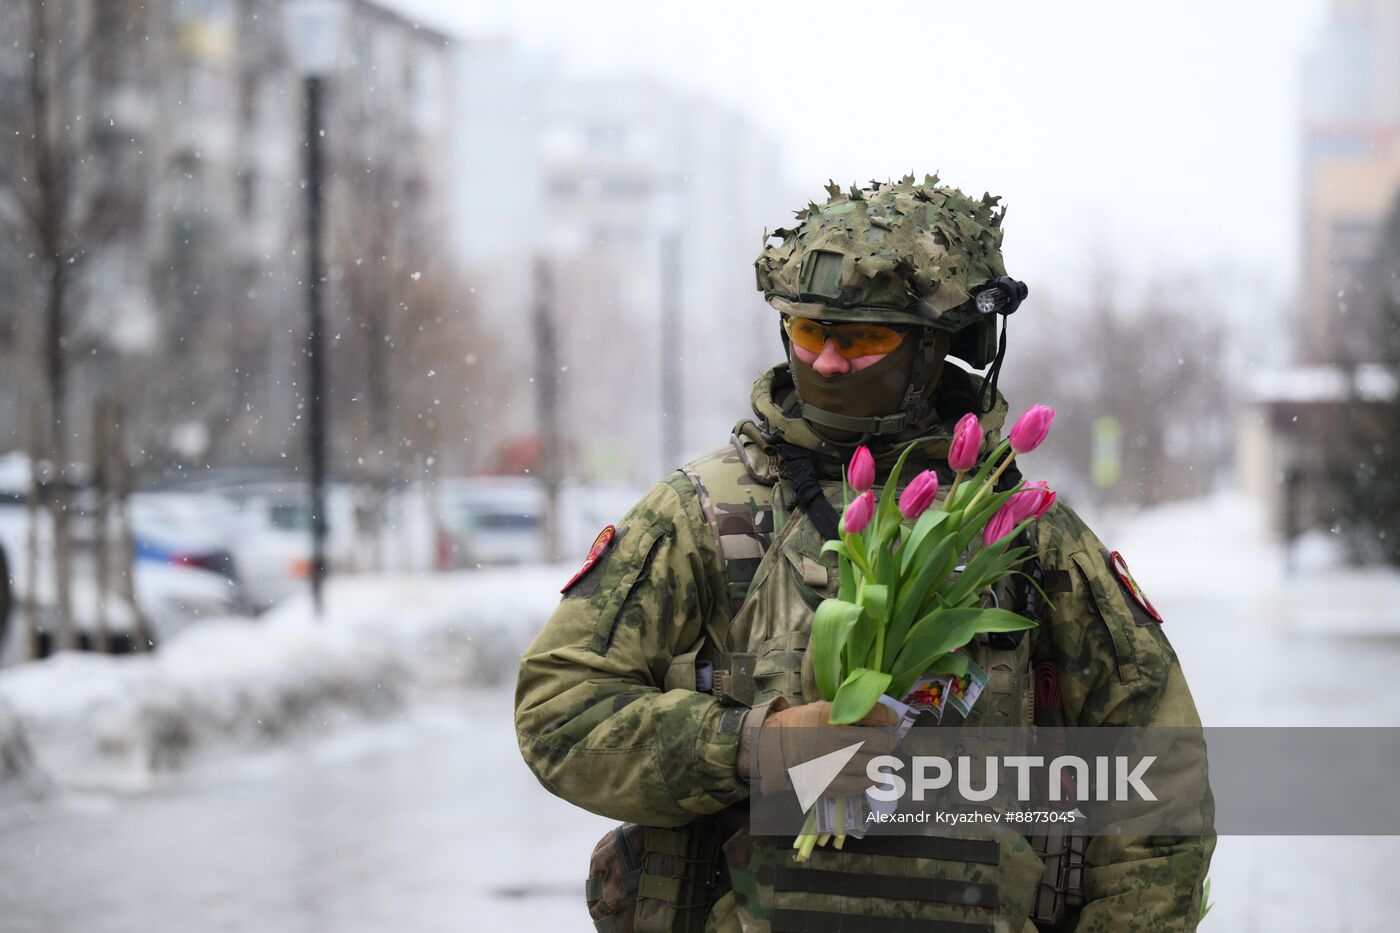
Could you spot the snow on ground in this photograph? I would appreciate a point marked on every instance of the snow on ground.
(117, 721)
(1219, 549)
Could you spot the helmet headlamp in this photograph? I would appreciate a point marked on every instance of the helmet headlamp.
(1003, 296)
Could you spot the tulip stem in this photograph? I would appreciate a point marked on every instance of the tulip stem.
(807, 838)
(809, 842)
(996, 474)
(855, 550)
(957, 481)
(991, 482)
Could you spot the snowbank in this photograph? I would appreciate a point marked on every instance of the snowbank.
(465, 629)
(93, 720)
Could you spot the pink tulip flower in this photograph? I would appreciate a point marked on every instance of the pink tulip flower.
(918, 495)
(1000, 526)
(1045, 497)
(1033, 501)
(967, 441)
(1031, 429)
(861, 473)
(859, 513)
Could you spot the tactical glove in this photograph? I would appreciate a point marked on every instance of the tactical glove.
(778, 736)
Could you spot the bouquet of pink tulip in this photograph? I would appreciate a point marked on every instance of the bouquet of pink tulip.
(910, 592)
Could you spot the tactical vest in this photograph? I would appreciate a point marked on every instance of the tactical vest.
(776, 577)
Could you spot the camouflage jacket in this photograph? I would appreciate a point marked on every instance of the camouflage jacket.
(599, 724)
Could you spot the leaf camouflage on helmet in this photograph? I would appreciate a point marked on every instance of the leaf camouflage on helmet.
(905, 252)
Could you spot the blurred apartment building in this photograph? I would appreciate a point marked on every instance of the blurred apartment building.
(648, 206)
(188, 115)
(1349, 132)
(1350, 111)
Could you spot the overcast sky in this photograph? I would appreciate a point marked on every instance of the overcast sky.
(1161, 135)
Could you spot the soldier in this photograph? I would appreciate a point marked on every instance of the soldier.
(683, 636)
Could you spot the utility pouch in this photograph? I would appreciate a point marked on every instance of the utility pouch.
(647, 879)
(1060, 892)
(679, 880)
(614, 872)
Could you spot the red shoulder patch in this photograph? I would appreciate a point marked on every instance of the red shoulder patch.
(1125, 577)
(595, 553)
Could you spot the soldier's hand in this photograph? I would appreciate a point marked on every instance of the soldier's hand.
(793, 735)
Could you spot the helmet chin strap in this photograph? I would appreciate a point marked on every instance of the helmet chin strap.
(987, 396)
(914, 407)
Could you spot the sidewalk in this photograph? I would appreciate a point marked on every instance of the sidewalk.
(1218, 549)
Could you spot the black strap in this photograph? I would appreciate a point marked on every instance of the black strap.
(797, 467)
(824, 921)
(987, 395)
(891, 887)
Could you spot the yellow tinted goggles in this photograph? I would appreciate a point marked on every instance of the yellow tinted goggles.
(853, 338)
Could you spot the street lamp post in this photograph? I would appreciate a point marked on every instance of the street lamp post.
(672, 422)
(313, 38)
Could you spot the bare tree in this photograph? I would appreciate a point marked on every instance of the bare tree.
(48, 196)
(409, 371)
(1138, 387)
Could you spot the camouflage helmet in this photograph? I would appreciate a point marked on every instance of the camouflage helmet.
(906, 253)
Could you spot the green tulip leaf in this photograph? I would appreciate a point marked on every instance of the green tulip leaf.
(952, 664)
(846, 576)
(838, 547)
(942, 630)
(986, 567)
(915, 594)
(875, 600)
(831, 628)
(889, 494)
(860, 643)
(858, 695)
(927, 522)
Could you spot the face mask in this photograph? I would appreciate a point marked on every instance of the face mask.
(876, 390)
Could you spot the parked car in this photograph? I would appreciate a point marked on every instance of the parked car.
(184, 570)
(493, 520)
(185, 531)
(171, 596)
(270, 537)
(501, 519)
